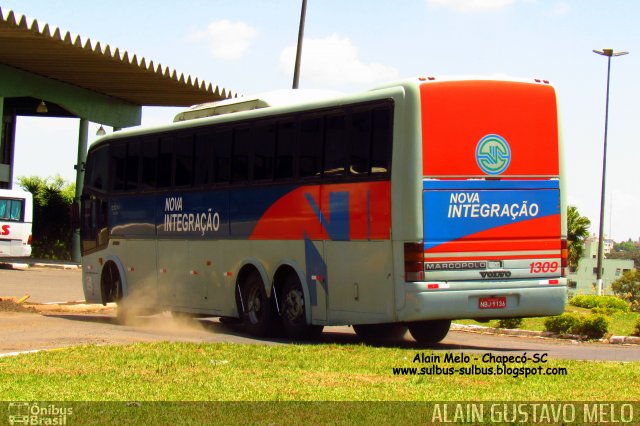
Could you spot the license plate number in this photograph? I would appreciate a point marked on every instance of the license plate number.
(493, 302)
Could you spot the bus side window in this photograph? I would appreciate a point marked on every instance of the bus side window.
(285, 150)
(165, 162)
(88, 224)
(15, 210)
(264, 136)
(311, 136)
(203, 173)
(118, 154)
(242, 150)
(335, 145)
(184, 160)
(381, 141)
(149, 160)
(98, 167)
(102, 222)
(360, 141)
(222, 155)
(132, 165)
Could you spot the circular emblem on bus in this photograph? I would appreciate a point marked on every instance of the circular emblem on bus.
(493, 154)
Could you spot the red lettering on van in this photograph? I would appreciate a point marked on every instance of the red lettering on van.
(5, 230)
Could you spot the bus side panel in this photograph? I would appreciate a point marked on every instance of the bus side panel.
(346, 229)
(360, 281)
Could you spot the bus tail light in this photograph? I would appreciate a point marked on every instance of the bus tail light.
(29, 239)
(564, 254)
(413, 262)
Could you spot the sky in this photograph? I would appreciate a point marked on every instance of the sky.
(248, 46)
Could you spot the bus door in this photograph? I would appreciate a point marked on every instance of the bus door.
(358, 251)
(132, 235)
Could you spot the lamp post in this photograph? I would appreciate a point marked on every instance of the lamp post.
(609, 53)
(296, 69)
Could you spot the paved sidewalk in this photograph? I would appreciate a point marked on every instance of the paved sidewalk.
(29, 262)
(617, 340)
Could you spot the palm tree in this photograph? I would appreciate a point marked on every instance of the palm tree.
(577, 233)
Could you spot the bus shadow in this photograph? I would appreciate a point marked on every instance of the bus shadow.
(331, 335)
(346, 336)
(94, 318)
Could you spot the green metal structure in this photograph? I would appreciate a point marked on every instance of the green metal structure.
(47, 72)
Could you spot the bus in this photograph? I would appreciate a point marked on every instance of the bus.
(16, 213)
(402, 207)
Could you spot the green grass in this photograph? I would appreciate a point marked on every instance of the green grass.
(620, 323)
(192, 372)
(284, 384)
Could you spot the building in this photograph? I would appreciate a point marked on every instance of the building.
(583, 279)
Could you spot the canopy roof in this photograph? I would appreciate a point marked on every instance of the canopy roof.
(52, 53)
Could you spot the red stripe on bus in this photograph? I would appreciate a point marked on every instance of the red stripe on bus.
(501, 245)
(542, 234)
(494, 257)
(292, 216)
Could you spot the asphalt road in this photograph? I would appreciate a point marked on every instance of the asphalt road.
(30, 331)
(43, 285)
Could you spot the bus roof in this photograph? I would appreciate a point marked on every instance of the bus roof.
(288, 98)
(248, 103)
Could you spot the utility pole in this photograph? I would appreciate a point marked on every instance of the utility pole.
(296, 70)
(609, 53)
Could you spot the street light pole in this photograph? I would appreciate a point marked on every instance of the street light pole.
(296, 69)
(609, 53)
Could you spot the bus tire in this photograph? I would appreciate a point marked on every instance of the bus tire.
(257, 314)
(432, 331)
(111, 284)
(294, 314)
(381, 333)
(112, 291)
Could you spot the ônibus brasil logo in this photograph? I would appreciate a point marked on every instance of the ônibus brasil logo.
(493, 154)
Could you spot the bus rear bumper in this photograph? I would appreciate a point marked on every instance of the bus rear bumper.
(450, 303)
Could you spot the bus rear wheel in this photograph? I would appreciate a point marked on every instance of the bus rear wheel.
(294, 314)
(431, 331)
(257, 312)
(381, 333)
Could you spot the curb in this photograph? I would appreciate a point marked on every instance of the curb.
(77, 307)
(614, 340)
(54, 266)
(24, 264)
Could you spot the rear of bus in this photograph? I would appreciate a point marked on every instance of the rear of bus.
(494, 228)
(16, 211)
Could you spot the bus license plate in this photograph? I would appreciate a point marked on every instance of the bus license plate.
(493, 302)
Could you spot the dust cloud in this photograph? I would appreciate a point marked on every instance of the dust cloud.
(140, 309)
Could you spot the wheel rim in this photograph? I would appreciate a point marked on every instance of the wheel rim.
(294, 306)
(254, 305)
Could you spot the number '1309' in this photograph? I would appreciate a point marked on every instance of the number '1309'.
(544, 267)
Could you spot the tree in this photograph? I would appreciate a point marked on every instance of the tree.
(577, 233)
(52, 198)
(626, 250)
(627, 287)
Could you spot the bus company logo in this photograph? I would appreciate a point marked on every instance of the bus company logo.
(26, 413)
(460, 266)
(493, 154)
